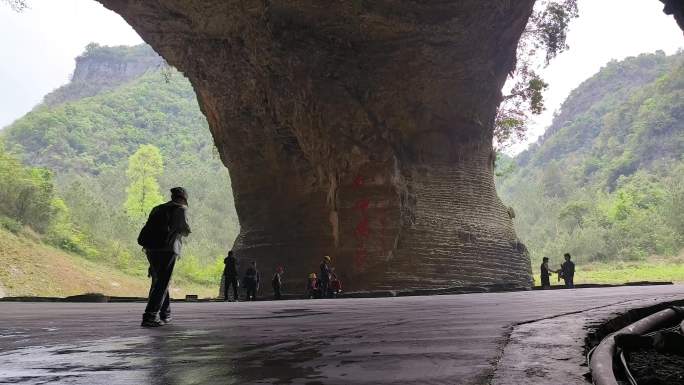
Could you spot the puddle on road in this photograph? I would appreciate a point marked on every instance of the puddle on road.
(290, 313)
(177, 358)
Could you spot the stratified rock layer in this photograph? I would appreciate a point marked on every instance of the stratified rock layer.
(356, 129)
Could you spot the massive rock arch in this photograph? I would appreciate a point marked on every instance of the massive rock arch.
(359, 129)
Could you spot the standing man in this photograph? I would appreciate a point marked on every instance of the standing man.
(545, 274)
(324, 278)
(568, 271)
(161, 237)
(230, 275)
(252, 281)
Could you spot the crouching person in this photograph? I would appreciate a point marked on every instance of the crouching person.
(161, 238)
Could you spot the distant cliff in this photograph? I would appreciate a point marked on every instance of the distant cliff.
(102, 68)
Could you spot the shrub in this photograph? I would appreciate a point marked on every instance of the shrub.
(10, 224)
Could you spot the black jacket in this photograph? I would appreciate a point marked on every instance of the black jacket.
(252, 277)
(230, 270)
(277, 281)
(178, 226)
(544, 271)
(568, 268)
(325, 272)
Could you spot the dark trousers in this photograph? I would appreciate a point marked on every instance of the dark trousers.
(324, 288)
(545, 282)
(569, 284)
(161, 269)
(276, 291)
(251, 292)
(230, 280)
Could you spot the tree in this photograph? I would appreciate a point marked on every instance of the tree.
(26, 193)
(546, 34)
(144, 167)
(574, 213)
(17, 5)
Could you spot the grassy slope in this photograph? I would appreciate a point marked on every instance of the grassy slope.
(653, 269)
(30, 268)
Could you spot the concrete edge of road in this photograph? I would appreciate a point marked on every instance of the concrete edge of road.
(99, 297)
(553, 350)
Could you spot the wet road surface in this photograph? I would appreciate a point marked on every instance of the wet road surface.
(409, 340)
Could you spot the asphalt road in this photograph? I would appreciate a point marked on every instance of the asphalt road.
(455, 339)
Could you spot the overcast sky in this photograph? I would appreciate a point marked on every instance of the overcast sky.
(38, 47)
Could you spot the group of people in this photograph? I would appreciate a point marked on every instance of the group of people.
(324, 285)
(250, 281)
(161, 238)
(566, 272)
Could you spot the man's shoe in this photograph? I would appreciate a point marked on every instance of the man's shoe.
(166, 320)
(152, 323)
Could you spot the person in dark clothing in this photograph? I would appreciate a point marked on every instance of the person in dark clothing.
(162, 257)
(277, 282)
(568, 272)
(312, 289)
(324, 277)
(230, 275)
(545, 274)
(251, 281)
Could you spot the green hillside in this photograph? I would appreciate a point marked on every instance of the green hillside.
(32, 268)
(119, 99)
(606, 181)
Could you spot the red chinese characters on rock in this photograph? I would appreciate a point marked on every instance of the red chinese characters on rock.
(358, 181)
(362, 230)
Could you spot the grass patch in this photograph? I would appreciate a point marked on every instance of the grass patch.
(31, 268)
(671, 270)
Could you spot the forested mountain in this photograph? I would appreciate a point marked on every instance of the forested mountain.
(122, 100)
(605, 182)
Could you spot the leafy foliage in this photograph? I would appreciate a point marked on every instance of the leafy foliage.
(86, 143)
(26, 194)
(17, 5)
(28, 199)
(605, 181)
(144, 167)
(545, 34)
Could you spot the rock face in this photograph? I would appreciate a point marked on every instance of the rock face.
(676, 9)
(103, 68)
(356, 129)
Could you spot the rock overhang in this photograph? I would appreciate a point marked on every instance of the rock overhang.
(356, 129)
